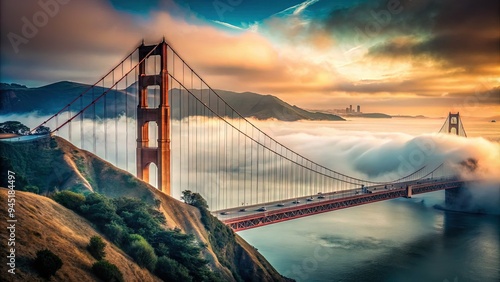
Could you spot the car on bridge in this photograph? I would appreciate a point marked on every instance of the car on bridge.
(243, 210)
(310, 199)
(224, 213)
(280, 205)
(262, 209)
(296, 202)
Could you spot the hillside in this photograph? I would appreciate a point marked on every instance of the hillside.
(54, 165)
(51, 98)
(44, 224)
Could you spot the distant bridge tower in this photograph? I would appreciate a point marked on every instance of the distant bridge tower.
(453, 122)
(456, 198)
(160, 155)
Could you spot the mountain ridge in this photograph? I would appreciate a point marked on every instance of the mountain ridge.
(50, 98)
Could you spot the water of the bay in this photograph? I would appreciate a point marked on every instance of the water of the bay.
(396, 240)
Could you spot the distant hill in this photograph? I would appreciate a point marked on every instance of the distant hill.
(51, 98)
(53, 164)
(372, 115)
(366, 115)
(267, 106)
(47, 99)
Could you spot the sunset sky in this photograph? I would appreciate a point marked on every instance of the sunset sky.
(397, 57)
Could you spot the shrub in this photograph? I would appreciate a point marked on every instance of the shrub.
(181, 247)
(142, 252)
(69, 199)
(139, 217)
(170, 270)
(96, 247)
(194, 199)
(99, 209)
(31, 188)
(116, 232)
(107, 271)
(47, 263)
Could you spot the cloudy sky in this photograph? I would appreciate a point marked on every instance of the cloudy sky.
(393, 56)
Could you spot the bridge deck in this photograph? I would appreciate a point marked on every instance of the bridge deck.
(256, 218)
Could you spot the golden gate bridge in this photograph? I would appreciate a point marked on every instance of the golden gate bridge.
(153, 115)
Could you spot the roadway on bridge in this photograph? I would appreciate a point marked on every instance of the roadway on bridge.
(22, 138)
(237, 212)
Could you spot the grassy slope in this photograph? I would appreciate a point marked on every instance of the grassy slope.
(44, 224)
(65, 166)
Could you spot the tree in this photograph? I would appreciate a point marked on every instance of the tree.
(99, 209)
(194, 199)
(14, 127)
(187, 196)
(31, 188)
(142, 252)
(107, 271)
(116, 232)
(181, 247)
(42, 130)
(96, 247)
(69, 199)
(170, 270)
(47, 263)
(140, 217)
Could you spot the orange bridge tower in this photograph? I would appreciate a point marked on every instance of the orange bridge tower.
(159, 155)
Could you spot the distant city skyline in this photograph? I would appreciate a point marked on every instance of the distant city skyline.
(398, 57)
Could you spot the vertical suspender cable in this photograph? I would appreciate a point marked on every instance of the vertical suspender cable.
(69, 125)
(81, 124)
(136, 103)
(94, 149)
(116, 123)
(180, 126)
(126, 117)
(105, 124)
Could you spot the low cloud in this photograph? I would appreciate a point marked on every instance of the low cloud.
(382, 156)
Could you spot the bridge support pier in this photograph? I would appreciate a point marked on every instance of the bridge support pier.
(409, 191)
(160, 114)
(457, 198)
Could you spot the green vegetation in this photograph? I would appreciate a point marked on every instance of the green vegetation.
(35, 164)
(142, 252)
(107, 271)
(47, 263)
(117, 232)
(139, 217)
(138, 228)
(99, 209)
(170, 270)
(183, 248)
(96, 247)
(221, 237)
(194, 199)
(14, 127)
(30, 188)
(69, 199)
